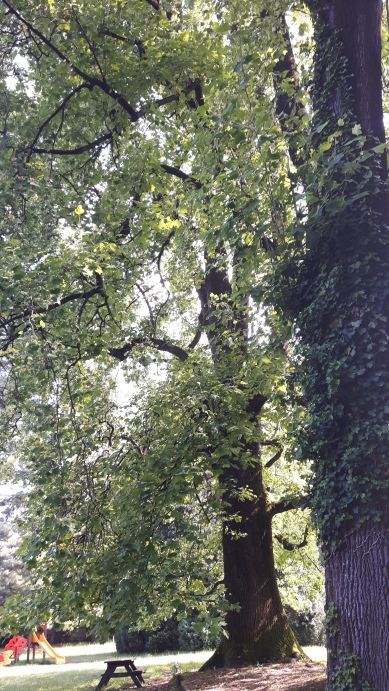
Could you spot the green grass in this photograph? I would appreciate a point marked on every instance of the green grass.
(39, 677)
(316, 652)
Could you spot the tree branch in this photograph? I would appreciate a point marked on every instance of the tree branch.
(285, 505)
(290, 546)
(273, 442)
(94, 81)
(78, 150)
(53, 306)
(158, 343)
(178, 173)
(195, 340)
(100, 83)
(286, 104)
(89, 44)
(154, 4)
(60, 108)
(163, 247)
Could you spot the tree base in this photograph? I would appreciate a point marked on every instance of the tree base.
(274, 645)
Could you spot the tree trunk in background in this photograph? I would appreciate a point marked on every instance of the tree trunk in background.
(258, 629)
(357, 569)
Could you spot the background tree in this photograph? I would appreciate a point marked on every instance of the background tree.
(12, 570)
(142, 211)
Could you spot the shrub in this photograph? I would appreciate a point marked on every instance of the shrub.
(165, 638)
(308, 625)
(130, 641)
(170, 636)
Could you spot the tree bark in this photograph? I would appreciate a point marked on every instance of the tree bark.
(358, 27)
(357, 586)
(357, 567)
(258, 630)
(257, 627)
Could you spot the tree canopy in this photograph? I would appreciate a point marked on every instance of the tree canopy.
(179, 183)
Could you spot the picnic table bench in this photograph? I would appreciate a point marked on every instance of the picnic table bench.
(131, 671)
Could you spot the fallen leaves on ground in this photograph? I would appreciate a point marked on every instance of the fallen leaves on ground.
(294, 676)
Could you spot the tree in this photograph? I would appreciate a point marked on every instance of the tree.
(180, 140)
(340, 304)
(11, 566)
(140, 218)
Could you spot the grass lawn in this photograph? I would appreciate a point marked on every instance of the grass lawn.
(316, 652)
(85, 666)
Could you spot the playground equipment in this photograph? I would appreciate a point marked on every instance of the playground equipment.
(41, 640)
(15, 647)
(6, 658)
(18, 644)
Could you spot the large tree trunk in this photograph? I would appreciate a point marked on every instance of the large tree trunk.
(357, 563)
(256, 625)
(258, 630)
(357, 586)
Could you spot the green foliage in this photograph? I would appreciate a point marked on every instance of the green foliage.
(12, 573)
(184, 635)
(130, 641)
(147, 179)
(193, 635)
(348, 675)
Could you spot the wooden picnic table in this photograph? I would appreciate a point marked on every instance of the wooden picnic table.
(131, 671)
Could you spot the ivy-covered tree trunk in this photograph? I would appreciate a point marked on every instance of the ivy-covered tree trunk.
(344, 327)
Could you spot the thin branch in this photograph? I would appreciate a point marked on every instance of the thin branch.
(214, 587)
(53, 306)
(290, 546)
(178, 173)
(133, 443)
(201, 504)
(77, 151)
(148, 305)
(90, 46)
(163, 247)
(60, 108)
(117, 37)
(273, 442)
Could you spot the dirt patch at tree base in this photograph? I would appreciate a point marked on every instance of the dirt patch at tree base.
(293, 676)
